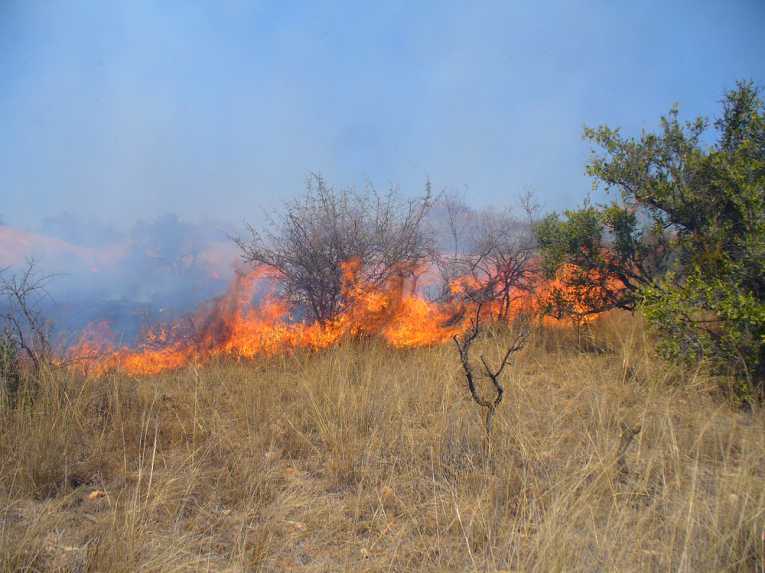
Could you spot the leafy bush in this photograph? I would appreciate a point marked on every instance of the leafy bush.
(685, 241)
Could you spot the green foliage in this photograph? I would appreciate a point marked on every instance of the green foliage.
(713, 318)
(685, 241)
(607, 256)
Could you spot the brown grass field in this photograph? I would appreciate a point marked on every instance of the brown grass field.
(364, 458)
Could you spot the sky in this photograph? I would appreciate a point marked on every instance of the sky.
(119, 111)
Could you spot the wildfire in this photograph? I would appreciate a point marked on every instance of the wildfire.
(233, 325)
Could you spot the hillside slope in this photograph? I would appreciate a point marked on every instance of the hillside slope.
(363, 458)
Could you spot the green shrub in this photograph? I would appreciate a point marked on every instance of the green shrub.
(685, 241)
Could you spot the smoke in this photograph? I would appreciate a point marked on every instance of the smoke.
(122, 111)
(75, 229)
(156, 270)
(113, 113)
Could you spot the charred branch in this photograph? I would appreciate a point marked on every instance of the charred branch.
(493, 374)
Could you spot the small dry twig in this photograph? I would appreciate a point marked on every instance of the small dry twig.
(628, 434)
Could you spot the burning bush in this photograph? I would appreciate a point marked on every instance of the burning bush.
(308, 244)
(492, 259)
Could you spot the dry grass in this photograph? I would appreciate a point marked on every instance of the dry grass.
(369, 459)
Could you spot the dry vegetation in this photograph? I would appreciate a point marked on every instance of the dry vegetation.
(362, 458)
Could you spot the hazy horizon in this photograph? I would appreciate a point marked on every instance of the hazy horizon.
(117, 112)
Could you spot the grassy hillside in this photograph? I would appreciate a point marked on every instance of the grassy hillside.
(363, 458)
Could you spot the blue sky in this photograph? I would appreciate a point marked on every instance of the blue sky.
(218, 109)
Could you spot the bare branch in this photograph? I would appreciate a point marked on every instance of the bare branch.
(23, 320)
(316, 234)
(497, 255)
(463, 346)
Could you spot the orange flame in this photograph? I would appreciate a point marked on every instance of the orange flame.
(395, 311)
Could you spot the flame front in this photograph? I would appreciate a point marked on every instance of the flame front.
(396, 311)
